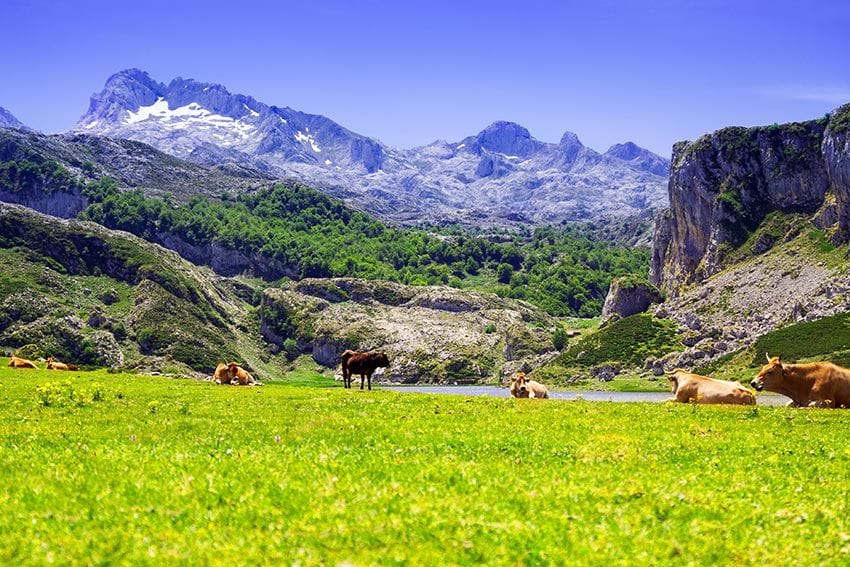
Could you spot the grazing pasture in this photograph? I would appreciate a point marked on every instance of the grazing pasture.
(105, 468)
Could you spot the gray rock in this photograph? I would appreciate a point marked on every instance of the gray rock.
(628, 297)
(605, 372)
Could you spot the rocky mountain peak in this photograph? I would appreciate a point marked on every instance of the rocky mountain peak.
(507, 138)
(640, 158)
(570, 140)
(8, 120)
(626, 151)
(124, 91)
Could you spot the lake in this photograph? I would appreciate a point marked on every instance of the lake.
(590, 396)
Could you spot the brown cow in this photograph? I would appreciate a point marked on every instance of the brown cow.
(233, 372)
(363, 363)
(53, 364)
(522, 387)
(816, 384)
(222, 374)
(17, 362)
(242, 376)
(688, 387)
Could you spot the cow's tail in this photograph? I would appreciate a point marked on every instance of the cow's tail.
(344, 358)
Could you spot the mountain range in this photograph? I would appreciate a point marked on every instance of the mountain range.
(501, 173)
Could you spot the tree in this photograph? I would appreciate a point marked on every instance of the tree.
(504, 272)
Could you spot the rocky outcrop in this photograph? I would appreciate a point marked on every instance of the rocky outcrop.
(629, 296)
(723, 185)
(431, 334)
(228, 261)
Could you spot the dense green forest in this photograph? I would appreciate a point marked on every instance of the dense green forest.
(559, 269)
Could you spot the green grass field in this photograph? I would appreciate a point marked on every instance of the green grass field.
(152, 471)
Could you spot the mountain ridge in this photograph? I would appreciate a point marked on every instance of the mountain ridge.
(498, 173)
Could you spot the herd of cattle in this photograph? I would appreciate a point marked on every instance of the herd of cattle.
(51, 364)
(815, 384)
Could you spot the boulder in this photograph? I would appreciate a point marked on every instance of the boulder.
(629, 296)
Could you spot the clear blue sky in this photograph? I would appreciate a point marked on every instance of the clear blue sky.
(410, 71)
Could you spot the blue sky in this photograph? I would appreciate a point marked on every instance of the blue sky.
(410, 71)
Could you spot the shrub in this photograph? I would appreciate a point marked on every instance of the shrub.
(559, 338)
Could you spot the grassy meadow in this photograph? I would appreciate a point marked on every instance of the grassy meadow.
(103, 468)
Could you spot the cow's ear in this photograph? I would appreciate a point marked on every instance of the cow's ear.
(779, 359)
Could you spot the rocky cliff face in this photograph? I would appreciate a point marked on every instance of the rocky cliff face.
(724, 185)
(500, 174)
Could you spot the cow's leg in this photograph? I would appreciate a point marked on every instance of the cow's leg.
(362, 379)
(369, 378)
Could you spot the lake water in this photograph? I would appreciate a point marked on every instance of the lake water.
(590, 396)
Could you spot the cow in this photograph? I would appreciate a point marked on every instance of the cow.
(522, 387)
(53, 364)
(232, 372)
(17, 362)
(363, 363)
(816, 384)
(242, 376)
(688, 387)
(222, 374)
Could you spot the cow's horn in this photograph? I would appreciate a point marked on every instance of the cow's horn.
(768, 356)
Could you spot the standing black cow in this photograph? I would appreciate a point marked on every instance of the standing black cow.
(363, 363)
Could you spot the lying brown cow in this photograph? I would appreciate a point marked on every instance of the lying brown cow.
(53, 364)
(363, 363)
(522, 387)
(689, 387)
(17, 362)
(816, 384)
(233, 373)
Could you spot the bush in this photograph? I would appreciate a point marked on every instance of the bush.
(147, 340)
(559, 338)
(504, 273)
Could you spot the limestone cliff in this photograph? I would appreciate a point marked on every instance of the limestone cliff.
(723, 186)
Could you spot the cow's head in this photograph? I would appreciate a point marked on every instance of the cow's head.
(771, 374)
(519, 385)
(382, 360)
(673, 378)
